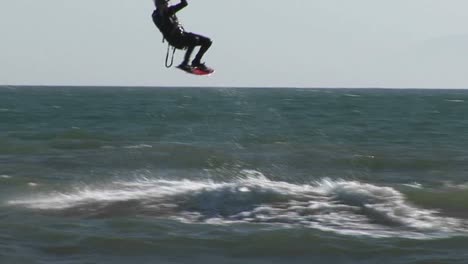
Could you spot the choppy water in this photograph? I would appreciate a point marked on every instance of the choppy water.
(177, 175)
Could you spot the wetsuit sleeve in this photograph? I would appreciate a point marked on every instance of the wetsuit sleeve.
(176, 8)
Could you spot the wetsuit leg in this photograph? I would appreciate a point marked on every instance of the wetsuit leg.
(192, 40)
(188, 53)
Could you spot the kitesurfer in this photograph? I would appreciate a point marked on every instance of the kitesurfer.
(164, 17)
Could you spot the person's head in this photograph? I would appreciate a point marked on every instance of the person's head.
(161, 4)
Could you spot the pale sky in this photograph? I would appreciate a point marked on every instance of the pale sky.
(259, 43)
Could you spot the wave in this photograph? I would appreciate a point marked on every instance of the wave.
(139, 146)
(344, 207)
(455, 100)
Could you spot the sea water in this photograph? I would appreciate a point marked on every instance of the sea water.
(233, 175)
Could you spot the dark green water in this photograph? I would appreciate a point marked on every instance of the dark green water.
(177, 175)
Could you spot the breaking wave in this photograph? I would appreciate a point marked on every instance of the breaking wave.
(344, 207)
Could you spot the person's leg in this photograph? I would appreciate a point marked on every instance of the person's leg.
(188, 53)
(191, 40)
(205, 44)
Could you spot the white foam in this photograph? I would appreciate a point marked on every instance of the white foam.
(455, 100)
(345, 207)
(114, 192)
(414, 185)
(352, 95)
(140, 146)
(449, 184)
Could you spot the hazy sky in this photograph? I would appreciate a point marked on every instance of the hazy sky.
(289, 43)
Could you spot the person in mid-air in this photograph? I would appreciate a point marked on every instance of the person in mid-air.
(164, 17)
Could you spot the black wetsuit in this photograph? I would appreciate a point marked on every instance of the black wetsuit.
(175, 34)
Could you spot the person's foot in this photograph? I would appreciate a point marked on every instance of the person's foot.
(200, 66)
(185, 67)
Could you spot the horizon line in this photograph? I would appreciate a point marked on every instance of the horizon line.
(221, 87)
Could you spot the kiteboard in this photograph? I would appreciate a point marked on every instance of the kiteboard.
(197, 71)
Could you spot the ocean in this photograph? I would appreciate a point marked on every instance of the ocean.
(233, 175)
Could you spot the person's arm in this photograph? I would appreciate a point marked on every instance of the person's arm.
(176, 8)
